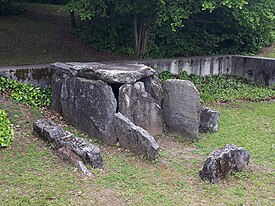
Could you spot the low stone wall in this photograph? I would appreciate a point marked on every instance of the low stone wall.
(38, 75)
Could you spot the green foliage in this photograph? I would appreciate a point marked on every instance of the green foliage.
(222, 88)
(33, 96)
(179, 27)
(6, 132)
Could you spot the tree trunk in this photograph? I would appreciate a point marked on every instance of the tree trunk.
(141, 35)
(73, 22)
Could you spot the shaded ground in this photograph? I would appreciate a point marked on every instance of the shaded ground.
(268, 51)
(43, 35)
(31, 174)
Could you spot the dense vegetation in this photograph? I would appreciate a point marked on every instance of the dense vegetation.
(6, 132)
(222, 88)
(20, 92)
(162, 28)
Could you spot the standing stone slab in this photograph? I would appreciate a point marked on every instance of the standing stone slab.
(141, 108)
(89, 105)
(181, 107)
(135, 138)
(209, 120)
(153, 87)
(224, 161)
(50, 132)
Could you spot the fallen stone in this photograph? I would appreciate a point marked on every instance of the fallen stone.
(74, 159)
(89, 105)
(224, 161)
(110, 73)
(153, 87)
(135, 138)
(141, 108)
(209, 120)
(50, 132)
(181, 108)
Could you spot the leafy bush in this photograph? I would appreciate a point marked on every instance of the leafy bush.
(6, 132)
(221, 88)
(33, 96)
(198, 27)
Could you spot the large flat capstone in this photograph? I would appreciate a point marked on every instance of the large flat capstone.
(141, 108)
(110, 73)
(90, 106)
(135, 138)
(224, 161)
(181, 108)
(88, 152)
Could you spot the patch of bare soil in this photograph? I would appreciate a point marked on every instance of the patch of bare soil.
(267, 50)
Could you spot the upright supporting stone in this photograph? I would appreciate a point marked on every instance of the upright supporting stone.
(153, 87)
(90, 106)
(141, 108)
(181, 107)
(224, 161)
(135, 138)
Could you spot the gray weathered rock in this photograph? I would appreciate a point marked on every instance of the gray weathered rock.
(141, 108)
(89, 105)
(209, 120)
(135, 138)
(110, 73)
(50, 132)
(224, 161)
(153, 87)
(67, 154)
(181, 108)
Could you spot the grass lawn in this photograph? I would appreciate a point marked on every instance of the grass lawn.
(30, 174)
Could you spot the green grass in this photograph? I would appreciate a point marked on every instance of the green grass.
(30, 174)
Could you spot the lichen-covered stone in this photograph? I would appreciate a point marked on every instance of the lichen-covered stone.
(50, 132)
(135, 138)
(224, 161)
(209, 120)
(181, 108)
(89, 105)
(110, 73)
(141, 108)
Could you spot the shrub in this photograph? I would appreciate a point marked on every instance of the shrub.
(6, 132)
(33, 96)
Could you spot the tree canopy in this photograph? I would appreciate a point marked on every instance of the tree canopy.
(159, 28)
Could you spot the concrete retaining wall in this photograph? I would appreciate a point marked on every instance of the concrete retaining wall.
(204, 65)
(253, 68)
(38, 75)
